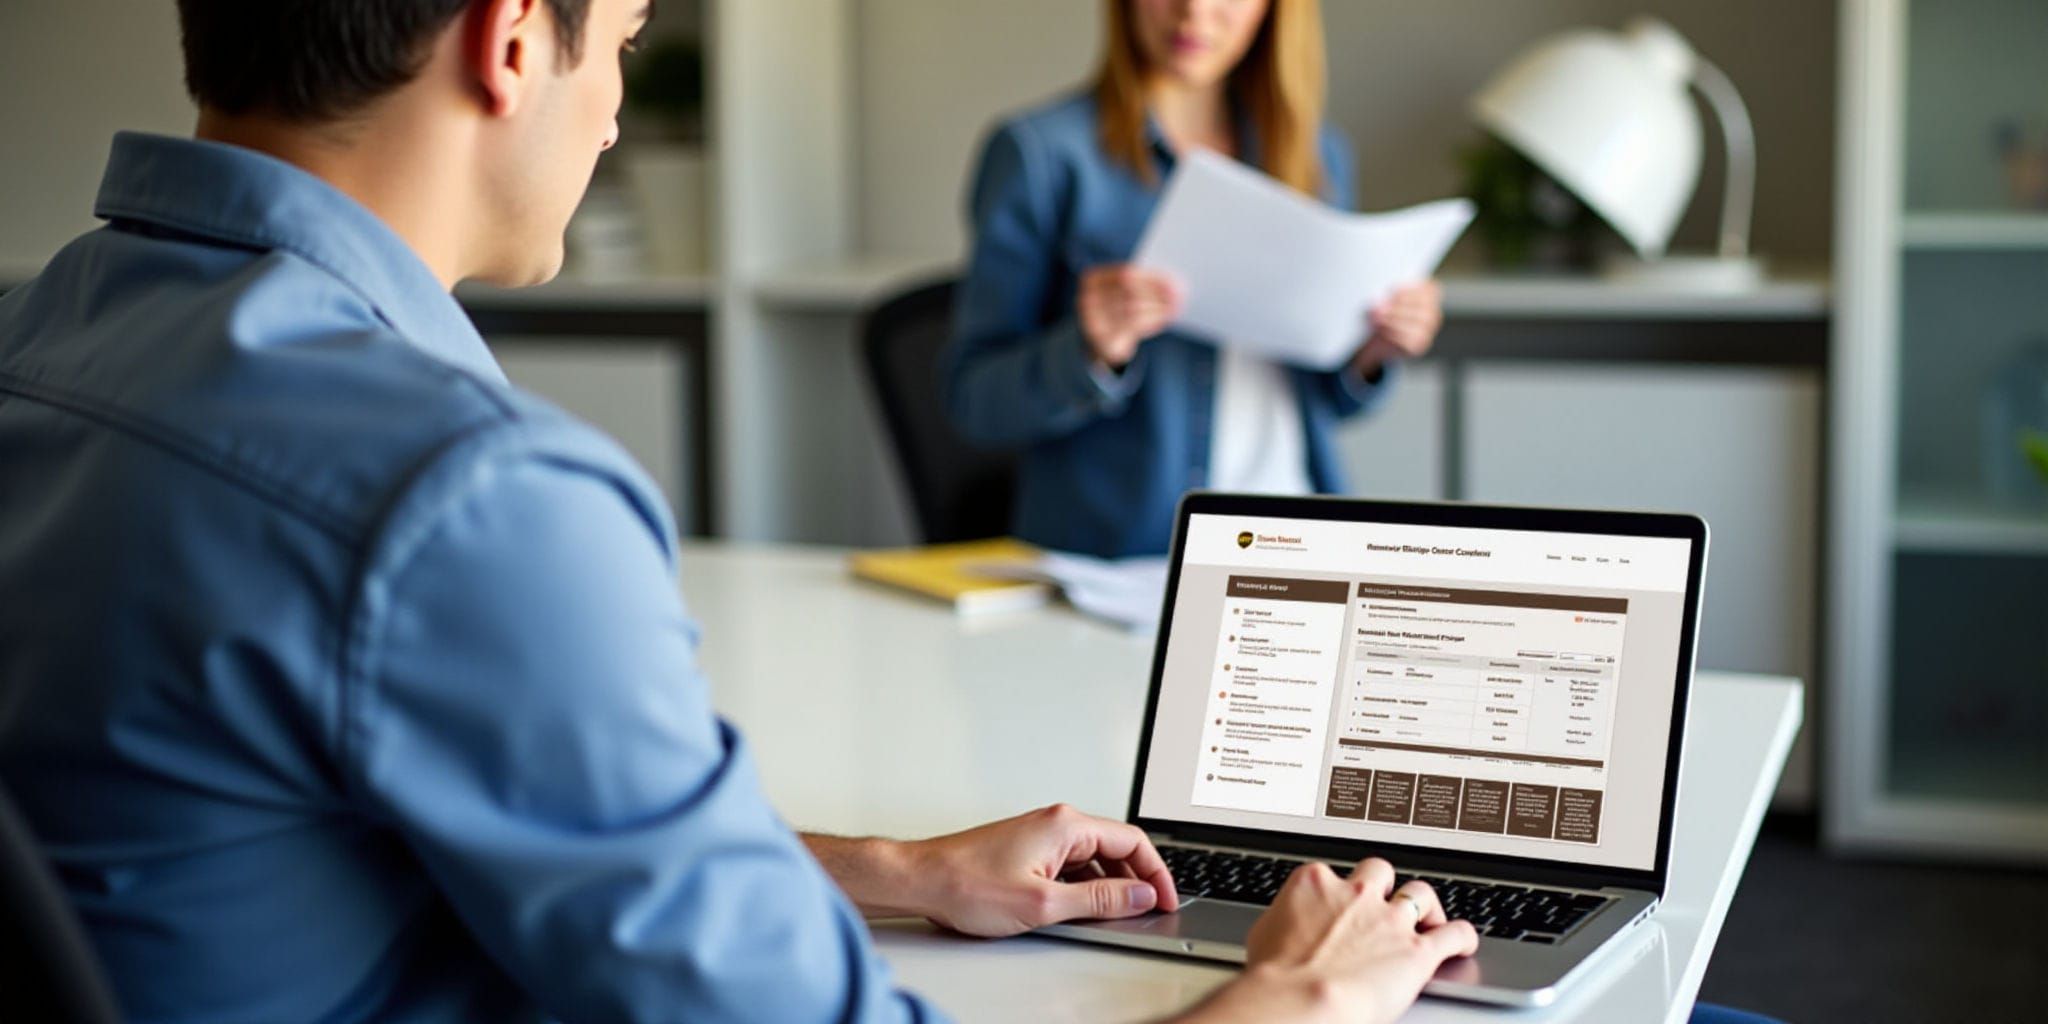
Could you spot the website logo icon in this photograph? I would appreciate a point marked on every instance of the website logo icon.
(1244, 540)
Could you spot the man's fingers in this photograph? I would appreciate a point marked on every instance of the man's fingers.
(1373, 875)
(1109, 840)
(1115, 841)
(1301, 877)
(1086, 871)
(1430, 910)
(1100, 899)
(1456, 938)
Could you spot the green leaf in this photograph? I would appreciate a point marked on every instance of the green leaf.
(2035, 444)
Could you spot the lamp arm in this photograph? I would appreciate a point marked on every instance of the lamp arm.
(1740, 142)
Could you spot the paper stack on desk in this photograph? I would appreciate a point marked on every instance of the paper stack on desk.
(1124, 591)
(1273, 272)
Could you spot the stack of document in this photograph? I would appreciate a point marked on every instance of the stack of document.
(1275, 273)
(1002, 575)
(1126, 592)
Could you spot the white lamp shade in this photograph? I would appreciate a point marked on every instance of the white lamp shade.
(1607, 115)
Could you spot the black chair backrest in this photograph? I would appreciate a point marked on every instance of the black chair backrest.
(959, 492)
(47, 969)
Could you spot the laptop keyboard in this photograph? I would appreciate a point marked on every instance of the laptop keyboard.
(1496, 909)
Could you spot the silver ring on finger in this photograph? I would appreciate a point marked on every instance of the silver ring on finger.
(1413, 904)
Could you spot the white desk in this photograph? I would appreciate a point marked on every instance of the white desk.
(875, 713)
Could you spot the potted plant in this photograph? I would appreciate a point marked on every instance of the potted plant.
(1526, 220)
(666, 170)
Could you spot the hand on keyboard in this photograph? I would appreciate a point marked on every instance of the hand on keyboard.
(1340, 948)
(1050, 865)
(1497, 909)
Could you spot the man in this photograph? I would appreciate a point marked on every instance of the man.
(341, 680)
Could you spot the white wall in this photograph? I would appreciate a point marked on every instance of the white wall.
(71, 73)
(933, 74)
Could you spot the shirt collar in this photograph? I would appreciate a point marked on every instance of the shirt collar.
(245, 198)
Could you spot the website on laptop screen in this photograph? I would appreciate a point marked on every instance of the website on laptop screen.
(1492, 691)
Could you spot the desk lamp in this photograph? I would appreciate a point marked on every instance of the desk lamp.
(1606, 114)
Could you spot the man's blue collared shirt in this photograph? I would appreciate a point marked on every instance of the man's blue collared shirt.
(340, 679)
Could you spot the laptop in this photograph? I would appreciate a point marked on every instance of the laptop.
(1491, 698)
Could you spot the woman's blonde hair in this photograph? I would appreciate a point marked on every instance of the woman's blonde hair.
(1279, 84)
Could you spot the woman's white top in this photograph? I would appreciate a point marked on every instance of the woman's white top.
(1257, 443)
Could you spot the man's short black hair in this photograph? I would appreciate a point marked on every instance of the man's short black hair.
(319, 60)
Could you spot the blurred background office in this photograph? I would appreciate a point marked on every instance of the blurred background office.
(1853, 425)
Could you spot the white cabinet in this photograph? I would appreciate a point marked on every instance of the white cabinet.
(1938, 728)
(1397, 452)
(628, 389)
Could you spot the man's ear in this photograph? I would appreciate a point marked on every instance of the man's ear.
(504, 52)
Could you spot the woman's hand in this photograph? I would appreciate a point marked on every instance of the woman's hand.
(1403, 326)
(1348, 949)
(1122, 305)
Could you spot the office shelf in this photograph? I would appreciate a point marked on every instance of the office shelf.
(1797, 294)
(1975, 230)
(846, 286)
(1800, 294)
(646, 293)
(1933, 523)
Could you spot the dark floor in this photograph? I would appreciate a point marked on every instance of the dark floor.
(1814, 939)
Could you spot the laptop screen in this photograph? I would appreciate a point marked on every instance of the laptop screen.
(1490, 691)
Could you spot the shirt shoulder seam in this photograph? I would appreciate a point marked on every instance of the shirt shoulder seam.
(408, 522)
(177, 443)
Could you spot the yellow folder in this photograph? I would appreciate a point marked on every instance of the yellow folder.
(944, 572)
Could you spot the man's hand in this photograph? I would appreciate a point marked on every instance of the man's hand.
(1049, 865)
(1011, 876)
(1338, 949)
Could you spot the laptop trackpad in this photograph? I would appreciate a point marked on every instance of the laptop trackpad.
(1203, 921)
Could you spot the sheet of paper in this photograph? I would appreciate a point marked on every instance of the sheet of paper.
(1125, 591)
(1274, 272)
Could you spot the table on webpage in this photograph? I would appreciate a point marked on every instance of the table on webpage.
(1460, 684)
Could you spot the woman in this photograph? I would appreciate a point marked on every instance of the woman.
(1060, 347)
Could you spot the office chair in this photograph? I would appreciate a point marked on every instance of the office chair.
(957, 491)
(47, 969)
